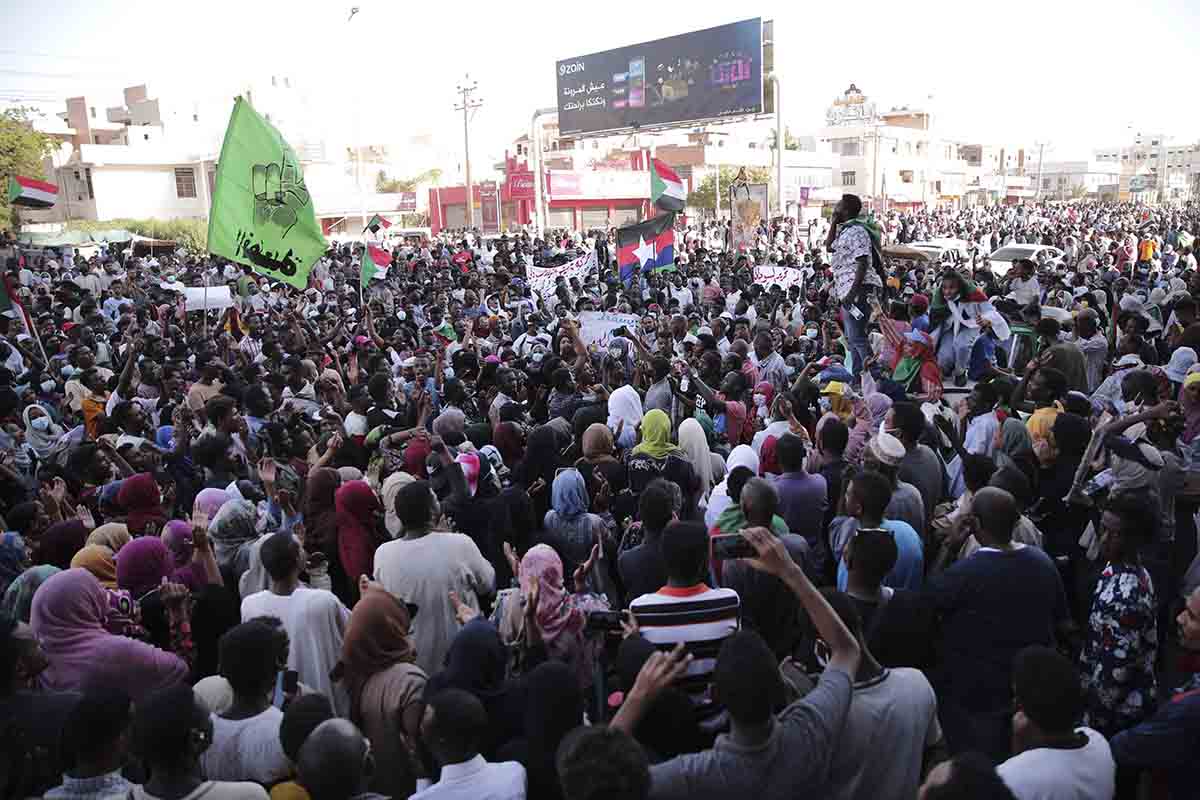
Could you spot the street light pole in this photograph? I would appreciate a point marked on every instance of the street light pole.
(535, 152)
(779, 143)
(467, 106)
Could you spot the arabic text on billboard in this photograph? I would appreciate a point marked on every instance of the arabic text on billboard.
(408, 201)
(717, 72)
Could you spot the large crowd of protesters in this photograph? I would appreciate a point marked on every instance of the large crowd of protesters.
(903, 527)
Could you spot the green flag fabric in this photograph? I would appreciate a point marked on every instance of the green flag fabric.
(262, 214)
(374, 261)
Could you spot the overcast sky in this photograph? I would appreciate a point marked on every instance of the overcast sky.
(1075, 74)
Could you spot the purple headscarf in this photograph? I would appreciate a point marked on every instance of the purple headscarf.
(177, 536)
(209, 501)
(142, 564)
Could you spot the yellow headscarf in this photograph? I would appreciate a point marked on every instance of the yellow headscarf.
(656, 435)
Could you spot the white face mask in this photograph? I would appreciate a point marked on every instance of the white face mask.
(41, 424)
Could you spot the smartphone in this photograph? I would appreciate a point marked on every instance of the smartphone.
(733, 545)
(287, 683)
(604, 621)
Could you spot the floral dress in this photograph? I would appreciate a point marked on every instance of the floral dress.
(1117, 660)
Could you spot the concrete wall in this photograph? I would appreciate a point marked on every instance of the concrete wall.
(145, 192)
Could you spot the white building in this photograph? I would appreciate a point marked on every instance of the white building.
(152, 157)
(1153, 167)
(1065, 180)
(894, 157)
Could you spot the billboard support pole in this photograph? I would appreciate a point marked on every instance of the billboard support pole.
(779, 145)
(538, 177)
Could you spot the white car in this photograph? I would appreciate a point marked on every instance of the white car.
(1001, 261)
(939, 246)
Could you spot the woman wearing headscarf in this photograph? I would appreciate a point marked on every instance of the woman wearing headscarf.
(742, 456)
(177, 536)
(14, 558)
(18, 598)
(553, 708)
(568, 525)
(360, 531)
(1014, 448)
(694, 444)
(378, 669)
(656, 456)
(68, 616)
(98, 560)
(113, 535)
(476, 662)
(388, 492)
(535, 472)
(561, 615)
(61, 541)
(42, 434)
(209, 501)
(624, 415)
(598, 461)
(232, 532)
(320, 525)
(142, 501)
(510, 441)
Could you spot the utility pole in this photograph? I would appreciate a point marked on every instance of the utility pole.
(1041, 151)
(467, 106)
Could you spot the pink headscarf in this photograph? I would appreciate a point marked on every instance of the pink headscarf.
(68, 616)
(470, 469)
(142, 564)
(209, 501)
(560, 622)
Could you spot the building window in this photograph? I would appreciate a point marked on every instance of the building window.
(847, 179)
(185, 182)
(1045, 183)
(91, 192)
(287, 83)
(195, 117)
(906, 176)
(93, 110)
(851, 148)
(146, 136)
(273, 80)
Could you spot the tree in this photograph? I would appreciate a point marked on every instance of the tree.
(703, 198)
(789, 142)
(22, 152)
(389, 185)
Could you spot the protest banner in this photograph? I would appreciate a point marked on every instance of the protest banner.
(218, 298)
(597, 327)
(785, 277)
(542, 279)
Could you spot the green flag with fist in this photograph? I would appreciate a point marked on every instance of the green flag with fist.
(262, 214)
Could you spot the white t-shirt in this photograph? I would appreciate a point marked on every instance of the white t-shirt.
(214, 790)
(247, 749)
(1044, 773)
(891, 722)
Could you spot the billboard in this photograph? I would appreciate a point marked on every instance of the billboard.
(408, 201)
(717, 72)
(520, 185)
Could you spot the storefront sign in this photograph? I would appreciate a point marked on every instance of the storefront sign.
(520, 185)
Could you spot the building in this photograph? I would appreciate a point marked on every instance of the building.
(604, 181)
(1067, 180)
(1154, 168)
(156, 157)
(893, 158)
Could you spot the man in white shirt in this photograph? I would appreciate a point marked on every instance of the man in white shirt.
(455, 728)
(1054, 759)
(315, 620)
(1023, 286)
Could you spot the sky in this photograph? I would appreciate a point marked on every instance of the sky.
(1074, 75)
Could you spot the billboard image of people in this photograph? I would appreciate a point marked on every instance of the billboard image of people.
(716, 72)
(748, 202)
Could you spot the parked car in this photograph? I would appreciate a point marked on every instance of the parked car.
(1001, 260)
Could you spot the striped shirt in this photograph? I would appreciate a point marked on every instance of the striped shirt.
(700, 617)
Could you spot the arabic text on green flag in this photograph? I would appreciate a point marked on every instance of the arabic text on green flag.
(262, 214)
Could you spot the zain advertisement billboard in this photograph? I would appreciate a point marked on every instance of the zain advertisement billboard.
(717, 72)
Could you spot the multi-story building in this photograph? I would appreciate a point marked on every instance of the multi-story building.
(1153, 167)
(1066, 180)
(894, 158)
(156, 157)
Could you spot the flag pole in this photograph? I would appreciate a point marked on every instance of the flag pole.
(205, 305)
